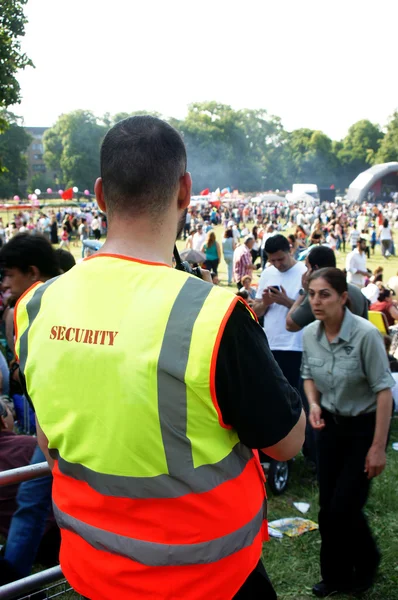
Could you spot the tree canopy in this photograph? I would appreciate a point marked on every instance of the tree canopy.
(14, 142)
(244, 149)
(12, 59)
(71, 148)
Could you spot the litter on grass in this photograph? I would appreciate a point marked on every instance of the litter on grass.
(303, 507)
(291, 527)
(395, 446)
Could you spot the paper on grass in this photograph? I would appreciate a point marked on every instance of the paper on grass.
(395, 446)
(293, 526)
(303, 507)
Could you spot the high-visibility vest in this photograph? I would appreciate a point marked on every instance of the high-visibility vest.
(154, 494)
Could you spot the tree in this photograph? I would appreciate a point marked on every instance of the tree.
(357, 151)
(12, 27)
(388, 150)
(311, 157)
(72, 147)
(13, 144)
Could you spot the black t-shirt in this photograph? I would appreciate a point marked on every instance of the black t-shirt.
(253, 395)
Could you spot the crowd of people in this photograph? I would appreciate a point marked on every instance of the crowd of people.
(173, 447)
(64, 227)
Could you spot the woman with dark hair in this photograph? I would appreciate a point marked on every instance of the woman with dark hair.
(228, 247)
(348, 384)
(255, 251)
(386, 239)
(385, 305)
(212, 250)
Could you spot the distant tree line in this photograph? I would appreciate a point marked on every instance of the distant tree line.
(243, 149)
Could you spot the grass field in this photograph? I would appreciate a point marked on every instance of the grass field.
(293, 563)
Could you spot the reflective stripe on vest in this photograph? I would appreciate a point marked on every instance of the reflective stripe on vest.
(162, 555)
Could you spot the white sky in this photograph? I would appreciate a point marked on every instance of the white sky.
(314, 63)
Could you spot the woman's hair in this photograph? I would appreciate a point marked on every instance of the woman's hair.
(254, 232)
(378, 270)
(334, 277)
(384, 294)
(211, 239)
(385, 223)
(228, 233)
(292, 238)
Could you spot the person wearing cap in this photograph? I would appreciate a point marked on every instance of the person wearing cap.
(356, 264)
(243, 262)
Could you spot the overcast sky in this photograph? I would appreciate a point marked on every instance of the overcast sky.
(314, 63)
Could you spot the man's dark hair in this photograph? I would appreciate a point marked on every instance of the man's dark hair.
(142, 160)
(276, 243)
(66, 260)
(27, 250)
(321, 257)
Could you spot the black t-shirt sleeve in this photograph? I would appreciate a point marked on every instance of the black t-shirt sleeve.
(253, 395)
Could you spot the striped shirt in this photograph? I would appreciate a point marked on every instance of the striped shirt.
(242, 262)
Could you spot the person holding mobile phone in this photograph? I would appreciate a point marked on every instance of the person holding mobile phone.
(279, 286)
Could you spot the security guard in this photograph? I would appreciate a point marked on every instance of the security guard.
(157, 491)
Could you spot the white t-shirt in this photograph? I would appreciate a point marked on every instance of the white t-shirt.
(198, 240)
(385, 233)
(275, 318)
(355, 262)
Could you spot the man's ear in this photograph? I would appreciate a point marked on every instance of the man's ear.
(99, 194)
(184, 192)
(34, 273)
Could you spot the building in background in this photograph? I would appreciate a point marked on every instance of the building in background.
(34, 155)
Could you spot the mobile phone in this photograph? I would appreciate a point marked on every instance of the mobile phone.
(274, 287)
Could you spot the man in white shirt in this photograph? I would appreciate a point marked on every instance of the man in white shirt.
(198, 238)
(354, 237)
(95, 227)
(279, 287)
(356, 265)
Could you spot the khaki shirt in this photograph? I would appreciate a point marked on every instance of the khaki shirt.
(349, 371)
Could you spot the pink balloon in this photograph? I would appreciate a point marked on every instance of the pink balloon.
(49, 191)
(36, 202)
(33, 197)
(16, 198)
(60, 192)
(86, 192)
(29, 196)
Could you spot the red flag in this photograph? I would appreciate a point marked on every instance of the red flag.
(67, 194)
(205, 192)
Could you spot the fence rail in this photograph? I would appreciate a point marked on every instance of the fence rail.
(24, 473)
(26, 587)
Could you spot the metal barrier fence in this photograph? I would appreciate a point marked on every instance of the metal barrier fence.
(46, 584)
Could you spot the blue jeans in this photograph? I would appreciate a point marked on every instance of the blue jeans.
(29, 520)
(229, 261)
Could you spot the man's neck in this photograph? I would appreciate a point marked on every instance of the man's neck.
(138, 239)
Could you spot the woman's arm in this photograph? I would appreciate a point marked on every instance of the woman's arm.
(393, 312)
(313, 397)
(218, 250)
(376, 457)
